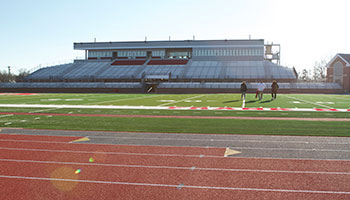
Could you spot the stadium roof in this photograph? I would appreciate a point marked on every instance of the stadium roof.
(168, 44)
(344, 57)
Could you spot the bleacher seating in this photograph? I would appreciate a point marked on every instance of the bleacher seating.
(120, 72)
(174, 70)
(49, 72)
(86, 70)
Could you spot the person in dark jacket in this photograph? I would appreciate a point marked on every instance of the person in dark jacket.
(243, 89)
(274, 88)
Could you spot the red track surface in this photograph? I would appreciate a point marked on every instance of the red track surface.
(42, 167)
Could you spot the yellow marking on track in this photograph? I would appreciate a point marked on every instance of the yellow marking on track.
(230, 152)
(83, 139)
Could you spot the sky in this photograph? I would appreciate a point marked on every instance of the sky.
(38, 33)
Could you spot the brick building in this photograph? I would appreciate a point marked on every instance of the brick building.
(338, 70)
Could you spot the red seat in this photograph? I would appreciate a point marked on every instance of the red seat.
(129, 62)
(168, 62)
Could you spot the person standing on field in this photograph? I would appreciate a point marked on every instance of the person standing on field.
(243, 90)
(261, 88)
(274, 88)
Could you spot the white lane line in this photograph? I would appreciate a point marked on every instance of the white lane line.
(198, 96)
(310, 102)
(6, 115)
(177, 168)
(176, 186)
(109, 153)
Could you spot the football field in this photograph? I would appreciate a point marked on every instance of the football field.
(289, 114)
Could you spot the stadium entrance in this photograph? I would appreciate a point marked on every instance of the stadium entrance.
(151, 82)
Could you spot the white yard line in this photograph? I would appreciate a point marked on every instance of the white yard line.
(310, 102)
(243, 105)
(176, 186)
(181, 100)
(118, 100)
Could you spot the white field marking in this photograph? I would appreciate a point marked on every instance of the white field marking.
(308, 101)
(348, 99)
(243, 104)
(118, 100)
(159, 108)
(296, 101)
(6, 115)
(110, 153)
(182, 100)
(327, 102)
(165, 100)
(176, 186)
(175, 167)
(73, 99)
(195, 101)
(8, 123)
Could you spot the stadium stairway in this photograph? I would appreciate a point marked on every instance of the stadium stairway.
(223, 72)
(186, 68)
(138, 73)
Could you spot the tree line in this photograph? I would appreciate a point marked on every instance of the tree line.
(5, 76)
(318, 72)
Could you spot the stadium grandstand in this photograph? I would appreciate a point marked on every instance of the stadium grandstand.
(187, 66)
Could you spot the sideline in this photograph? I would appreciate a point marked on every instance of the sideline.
(169, 108)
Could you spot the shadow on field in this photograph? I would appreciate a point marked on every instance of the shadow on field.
(231, 101)
(267, 101)
(251, 101)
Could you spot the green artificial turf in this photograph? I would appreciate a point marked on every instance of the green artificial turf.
(222, 126)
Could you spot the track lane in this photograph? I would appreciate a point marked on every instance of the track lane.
(42, 189)
(208, 180)
(41, 138)
(205, 163)
(210, 151)
(197, 183)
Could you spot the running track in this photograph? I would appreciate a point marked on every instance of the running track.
(43, 167)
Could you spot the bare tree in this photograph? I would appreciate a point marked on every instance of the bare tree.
(319, 70)
(21, 74)
(304, 75)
